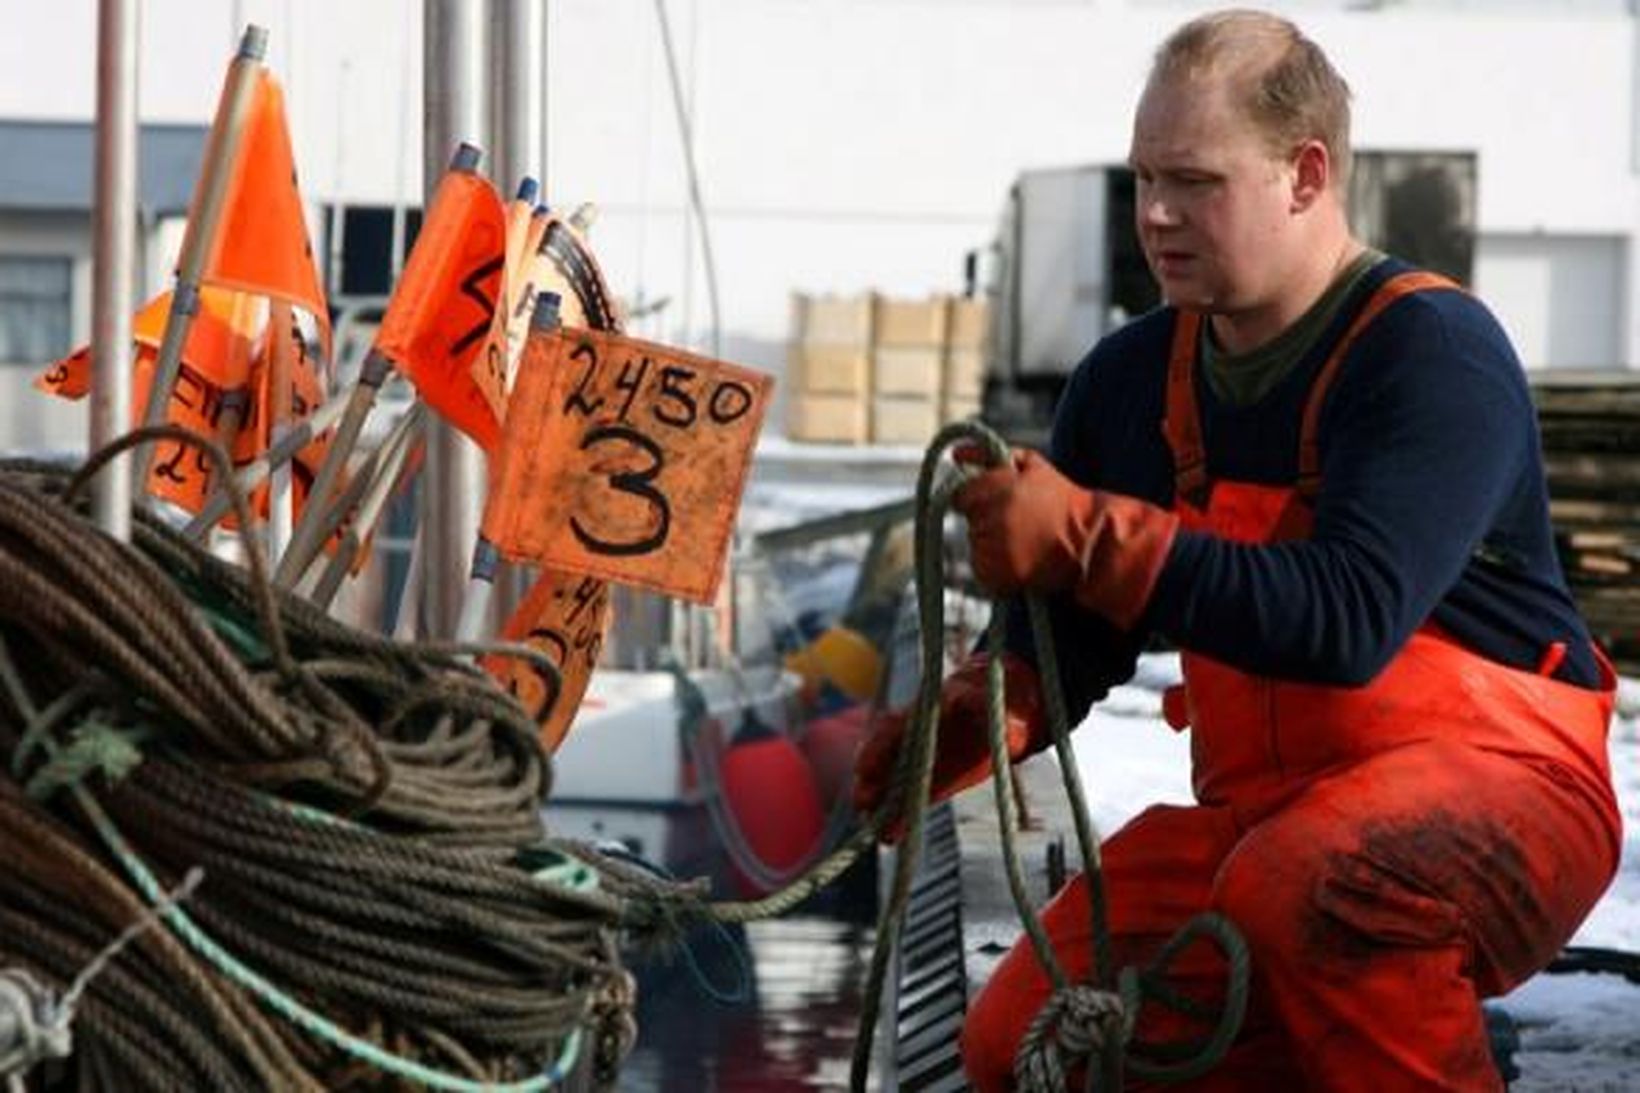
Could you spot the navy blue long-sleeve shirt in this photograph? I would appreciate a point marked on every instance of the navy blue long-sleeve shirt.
(1433, 504)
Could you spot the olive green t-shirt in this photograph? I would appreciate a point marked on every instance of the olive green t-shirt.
(1241, 379)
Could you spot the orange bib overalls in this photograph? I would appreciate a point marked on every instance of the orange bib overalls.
(1390, 852)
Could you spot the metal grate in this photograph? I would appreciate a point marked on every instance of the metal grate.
(931, 996)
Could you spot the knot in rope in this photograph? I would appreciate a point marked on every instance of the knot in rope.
(32, 1026)
(92, 747)
(615, 1028)
(1078, 1023)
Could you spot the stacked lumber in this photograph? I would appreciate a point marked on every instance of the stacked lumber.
(1590, 424)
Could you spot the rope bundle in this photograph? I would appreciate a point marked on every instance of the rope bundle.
(379, 893)
(1082, 1027)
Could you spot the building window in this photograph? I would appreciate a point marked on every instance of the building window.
(34, 308)
(360, 255)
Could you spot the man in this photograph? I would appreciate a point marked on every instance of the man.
(1316, 472)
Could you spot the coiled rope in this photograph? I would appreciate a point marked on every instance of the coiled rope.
(366, 813)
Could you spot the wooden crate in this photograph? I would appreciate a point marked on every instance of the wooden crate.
(829, 419)
(818, 369)
(904, 420)
(831, 320)
(958, 409)
(964, 373)
(907, 372)
(909, 324)
(967, 323)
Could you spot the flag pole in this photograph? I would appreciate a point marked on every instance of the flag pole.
(406, 624)
(306, 539)
(115, 228)
(454, 102)
(226, 131)
(280, 369)
(392, 462)
(259, 470)
(475, 603)
(519, 73)
(346, 501)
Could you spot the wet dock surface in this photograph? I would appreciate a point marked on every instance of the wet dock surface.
(790, 1030)
(773, 1007)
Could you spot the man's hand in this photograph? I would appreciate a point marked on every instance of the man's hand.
(1032, 529)
(963, 752)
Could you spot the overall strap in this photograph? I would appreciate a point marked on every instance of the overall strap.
(1309, 438)
(1182, 423)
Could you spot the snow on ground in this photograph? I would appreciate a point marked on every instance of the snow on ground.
(1580, 1033)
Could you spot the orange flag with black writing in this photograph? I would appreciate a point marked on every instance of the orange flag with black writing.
(440, 324)
(624, 459)
(220, 345)
(222, 361)
(306, 395)
(180, 473)
(564, 617)
(261, 243)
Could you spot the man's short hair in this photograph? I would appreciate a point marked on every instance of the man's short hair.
(1292, 92)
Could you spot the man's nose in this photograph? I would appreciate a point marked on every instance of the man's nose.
(1156, 210)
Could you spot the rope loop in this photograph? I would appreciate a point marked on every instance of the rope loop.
(1076, 1027)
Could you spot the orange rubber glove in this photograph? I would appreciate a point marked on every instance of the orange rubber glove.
(1032, 529)
(963, 751)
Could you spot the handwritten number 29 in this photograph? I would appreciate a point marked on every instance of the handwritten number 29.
(638, 483)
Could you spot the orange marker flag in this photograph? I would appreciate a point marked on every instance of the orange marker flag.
(567, 266)
(261, 244)
(215, 368)
(221, 361)
(220, 345)
(524, 269)
(565, 617)
(520, 212)
(624, 460)
(439, 323)
(180, 473)
(306, 395)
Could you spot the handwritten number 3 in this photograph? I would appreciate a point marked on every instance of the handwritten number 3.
(638, 484)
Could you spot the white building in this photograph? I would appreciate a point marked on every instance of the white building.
(848, 144)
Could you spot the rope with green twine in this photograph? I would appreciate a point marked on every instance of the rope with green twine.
(280, 1001)
(96, 746)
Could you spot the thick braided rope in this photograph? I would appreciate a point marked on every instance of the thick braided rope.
(280, 726)
(1067, 1036)
(1076, 1024)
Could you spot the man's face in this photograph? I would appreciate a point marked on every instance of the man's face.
(1213, 205)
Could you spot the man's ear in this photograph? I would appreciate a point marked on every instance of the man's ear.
(1312, 174)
